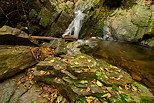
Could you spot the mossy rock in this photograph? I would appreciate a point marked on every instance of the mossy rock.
(44, 17)
(129, 24)
(14, 59)
(79, 76)
(33, 14)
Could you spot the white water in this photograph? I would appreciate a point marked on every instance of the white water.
(75, 25)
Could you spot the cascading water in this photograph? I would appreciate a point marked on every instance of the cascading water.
(75, 25)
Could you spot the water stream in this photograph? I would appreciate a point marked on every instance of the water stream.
(136, 60)
(75, 25)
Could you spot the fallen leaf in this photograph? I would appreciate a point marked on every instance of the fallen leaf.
(88, 89)
(39, 96)
(63, 68)
(46, 95)
(106, 95)
(14, 79)
(82, 57)
(120, 88)
(83, 81)
(90, 99)
(89, 60)
(42, 72)
(76, 63)
(18, 83)
(27, 78)
(52, 60)
(99, 83)
(106, 76)
(59, 99)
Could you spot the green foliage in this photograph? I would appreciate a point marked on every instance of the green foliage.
(43, 12)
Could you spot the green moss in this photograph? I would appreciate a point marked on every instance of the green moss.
(44, 18)
(44, 21)
(3, 67)
(115, 87)
(48, 79)
(124, 96)
(99, 28)
(33, 14)
(80, 99)
(134, 84)
(146, 99)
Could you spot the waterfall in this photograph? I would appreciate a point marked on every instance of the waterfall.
(74, 28)
(75, 25)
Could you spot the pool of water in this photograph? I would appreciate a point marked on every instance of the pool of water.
(136, 60)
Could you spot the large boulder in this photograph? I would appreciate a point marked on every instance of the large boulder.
(21, 89)
(79, 77)
(14, 36)
(52, 18)
(14, 59)
(136, 60)
(130, 24)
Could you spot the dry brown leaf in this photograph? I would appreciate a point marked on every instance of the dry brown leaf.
(88, 89)
(106, 95)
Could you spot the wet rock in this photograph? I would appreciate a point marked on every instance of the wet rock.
(13, 36)
(149, 42)
(19, 90)
(44, 17)
(129, 24)
(136, 77)
(14, 59)
(79, 76)
(136, 60)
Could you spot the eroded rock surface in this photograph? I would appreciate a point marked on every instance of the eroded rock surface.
(130, 24)
(83, 78)
(21, 89)
(77, 77)
(13, 36)
(14, 59)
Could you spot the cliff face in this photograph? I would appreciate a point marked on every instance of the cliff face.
(129, 20)
(124, 20)
(134, 24)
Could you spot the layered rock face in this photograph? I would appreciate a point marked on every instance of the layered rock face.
(135, 24)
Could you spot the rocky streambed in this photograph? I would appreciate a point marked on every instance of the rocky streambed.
(64, 74)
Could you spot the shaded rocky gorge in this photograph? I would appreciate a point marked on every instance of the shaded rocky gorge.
(39, 65)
